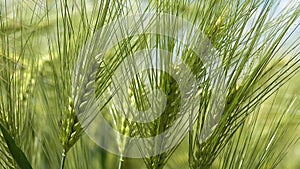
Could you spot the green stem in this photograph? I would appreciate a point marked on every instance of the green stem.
(63, 159)
(120, 162)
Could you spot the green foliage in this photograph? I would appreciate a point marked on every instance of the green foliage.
(40, 44)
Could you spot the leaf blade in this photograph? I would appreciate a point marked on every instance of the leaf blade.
(15, 151)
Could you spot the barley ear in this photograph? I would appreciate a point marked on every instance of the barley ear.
(71, 129)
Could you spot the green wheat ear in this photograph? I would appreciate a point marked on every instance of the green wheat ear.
(71, 129)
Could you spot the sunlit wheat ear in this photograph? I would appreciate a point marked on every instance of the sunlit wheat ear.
(79, 113)
(71, 129)
(170, 88)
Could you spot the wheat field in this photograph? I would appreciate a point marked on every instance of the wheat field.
(154, 84)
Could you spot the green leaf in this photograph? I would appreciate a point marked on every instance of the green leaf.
(15, 151)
